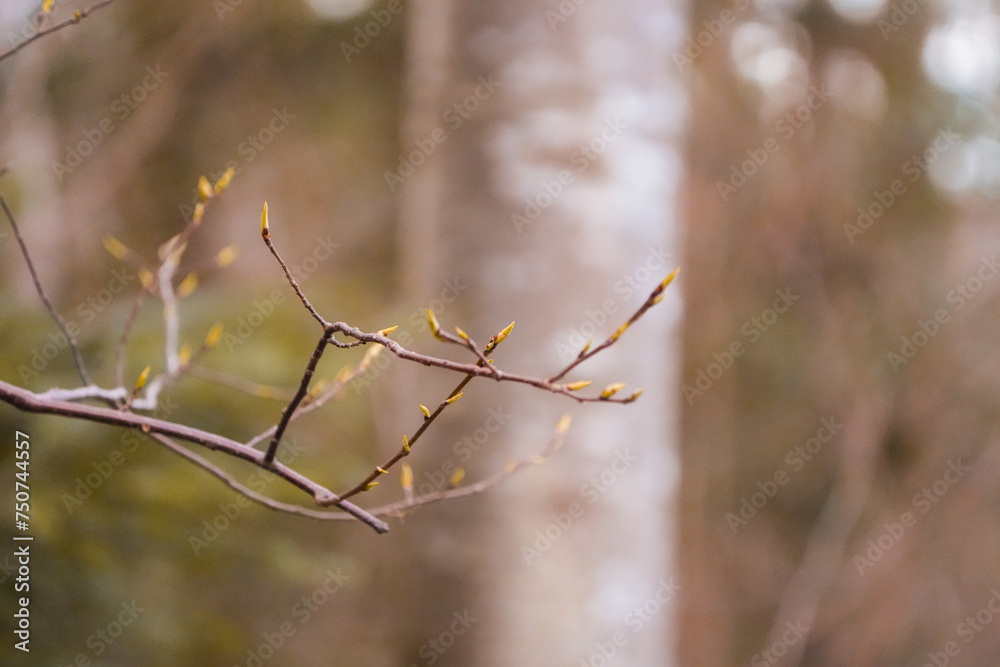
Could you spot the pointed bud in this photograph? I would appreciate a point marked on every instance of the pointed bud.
(406, 476)
(388, 330)
(503, 334)
(616, 335)
(577, 386)
(224, 180)
(263, 223)
(47, 6)
(184, 355)
(461, 333)
(427, 413)
(142, 378)
(636, 394)
(115, 247)
(227, 255)
(370, 485)
(213, 336)
(317, 388)
(406, 444)
(586, 347)
(452, 399)
(564, 423)
(457, 477)
(145, 277)
(670, 278)
(381, 470)
(612, 389)
(187, 285)
(204, 188)
(433, 323)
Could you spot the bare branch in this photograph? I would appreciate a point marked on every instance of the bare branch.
(74, 348)
(79, 15)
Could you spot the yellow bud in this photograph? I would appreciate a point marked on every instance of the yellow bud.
(214, 334)
(224, 180)
(578, 385)
(461, 333)
(142, 378)
(636, 394)
(564, 423)
(342, 375)
(670, 278)
(187, 285)
(263, 222)
(616, 335)
(199, 211)
(388, 330)
(227, 255)
(406, 476)
(452, 399)
(204, 188)
(47, 6)
(457, 477)
(317, 388)
(406, 444)
(433, 323)
(587, 346)
(184, 355)
(612, 389)
(115, 247)
(145, 277)
(427, 413)
(381, 470)
(370, 485)
(506, 332)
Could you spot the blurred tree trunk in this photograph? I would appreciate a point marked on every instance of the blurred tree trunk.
(549, 200)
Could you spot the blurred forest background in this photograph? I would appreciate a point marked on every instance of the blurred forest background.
(813, 461)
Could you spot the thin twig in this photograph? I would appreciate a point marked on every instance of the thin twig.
(74, 348)
(289, 410)
(79, 15)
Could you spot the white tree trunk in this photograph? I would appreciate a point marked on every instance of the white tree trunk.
(553, 198)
